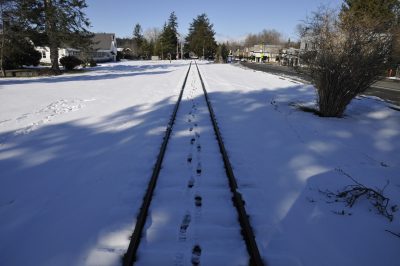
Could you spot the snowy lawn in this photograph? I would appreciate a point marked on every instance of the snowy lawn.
(76, 152)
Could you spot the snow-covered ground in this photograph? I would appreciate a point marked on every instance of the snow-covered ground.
(282, 157)
(76, 152)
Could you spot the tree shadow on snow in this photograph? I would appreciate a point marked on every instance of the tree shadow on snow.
(65, 186)
(99, 73)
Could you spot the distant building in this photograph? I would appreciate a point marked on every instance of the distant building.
(265, 52)
(104, 49)
(290, 57)
(307, 43)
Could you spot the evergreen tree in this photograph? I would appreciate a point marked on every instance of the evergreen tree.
(147, 49)
(200, 39)
(173, 22)
(169, 42)
(138, 40)
(223, 52)
(6, 8)
(384, 12)
(169, 37)
(158, 48)
(16, 31)
(20, 52)
(64, 23)
(378, 15)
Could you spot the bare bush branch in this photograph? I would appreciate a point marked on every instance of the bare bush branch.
(348, 55)
(393, 233)
(353, 193)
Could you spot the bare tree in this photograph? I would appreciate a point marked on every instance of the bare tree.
(264, 37)
(350, 53)
(152, 34)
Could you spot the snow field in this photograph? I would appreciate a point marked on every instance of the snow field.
(192, 204)
(77, 151)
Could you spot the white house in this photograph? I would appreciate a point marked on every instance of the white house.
(45, 51)
(104, 49)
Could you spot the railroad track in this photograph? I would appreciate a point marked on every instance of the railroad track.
(188, 215)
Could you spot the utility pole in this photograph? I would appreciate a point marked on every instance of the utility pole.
(181, 50)
(177, 46)
(177, 50)
(262, 53)
(162, 51)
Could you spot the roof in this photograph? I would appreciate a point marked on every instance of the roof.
(103, 41)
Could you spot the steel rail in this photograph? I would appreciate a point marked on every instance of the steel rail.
(130, 255)
(247, 231)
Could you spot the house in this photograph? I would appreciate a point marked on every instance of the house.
(246, 53)
(290, 57)
(104, 49)
(266, 52)
(307, 43)
(45, 51)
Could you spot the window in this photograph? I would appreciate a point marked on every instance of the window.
(99, 54)
(75, 53)
(43, 54)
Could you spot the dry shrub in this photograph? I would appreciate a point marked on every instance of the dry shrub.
(349, 55)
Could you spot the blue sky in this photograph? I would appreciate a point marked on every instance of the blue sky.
(231, 19)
